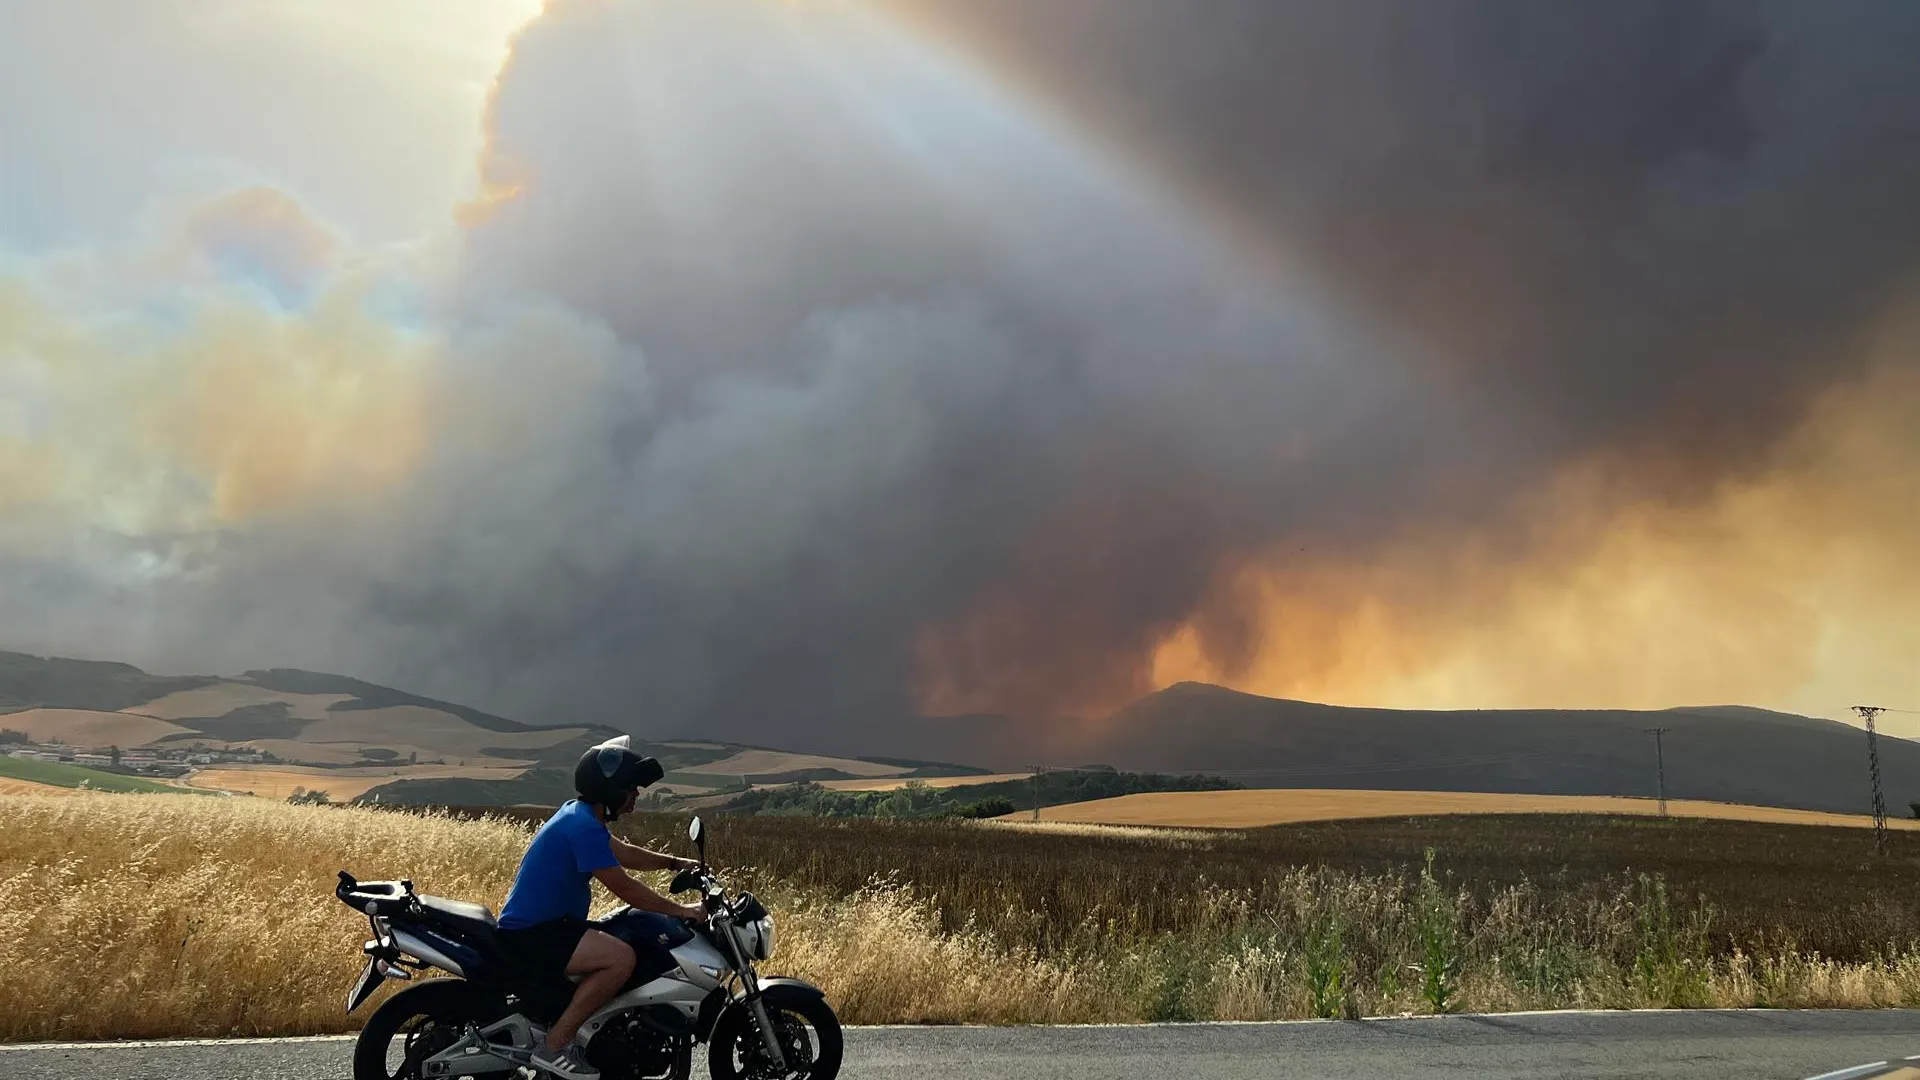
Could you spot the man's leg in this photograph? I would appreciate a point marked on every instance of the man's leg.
(604, 962)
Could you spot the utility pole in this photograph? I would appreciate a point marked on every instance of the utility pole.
(1660, 763)
(1036, 770)
(1867, 713)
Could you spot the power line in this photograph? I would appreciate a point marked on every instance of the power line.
(1660, 763)
(1867, 713)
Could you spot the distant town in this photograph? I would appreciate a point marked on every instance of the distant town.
(157, 762)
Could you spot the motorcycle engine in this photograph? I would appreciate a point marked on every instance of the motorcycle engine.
(631, 1049)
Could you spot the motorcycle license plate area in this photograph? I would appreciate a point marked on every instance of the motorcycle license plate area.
(364, 986)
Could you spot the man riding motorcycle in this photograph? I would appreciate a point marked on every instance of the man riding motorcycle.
(543, 926)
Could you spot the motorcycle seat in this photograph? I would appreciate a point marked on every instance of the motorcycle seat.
(459, 915)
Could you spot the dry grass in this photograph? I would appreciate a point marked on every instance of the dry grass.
(223, 697)
(156, 915)
(341, 785)
(761, 762)
(125, 916)
(882, 958)
(897, 782)
(1254, 809)
(150, 916)
(1816, 890)
(82, 727)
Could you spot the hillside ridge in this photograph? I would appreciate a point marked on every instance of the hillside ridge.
(1719, 753)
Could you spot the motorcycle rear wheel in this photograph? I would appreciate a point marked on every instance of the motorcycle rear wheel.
(414, 1025)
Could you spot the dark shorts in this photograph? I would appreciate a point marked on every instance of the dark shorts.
(543, 949)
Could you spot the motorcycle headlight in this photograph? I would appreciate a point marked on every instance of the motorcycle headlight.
(756, 937)
(765, 926)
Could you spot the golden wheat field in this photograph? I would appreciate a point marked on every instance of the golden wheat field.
(160, 915)
(84, 727)
(222, 698)
(1256, 808)
(759, 762)
(12, 786)
(431, 730)
(896, 782)
(133, 916)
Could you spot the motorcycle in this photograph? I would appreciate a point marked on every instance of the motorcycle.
(691, 984)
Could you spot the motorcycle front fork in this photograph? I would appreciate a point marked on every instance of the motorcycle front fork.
(761, 1019)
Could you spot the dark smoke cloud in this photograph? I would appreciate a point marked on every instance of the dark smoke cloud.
(1643, 228)
(891, 328)
(1657, 216)
(1643, 231)
(810, 376)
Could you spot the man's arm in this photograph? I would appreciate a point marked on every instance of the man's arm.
(635, 857)
(637, 894)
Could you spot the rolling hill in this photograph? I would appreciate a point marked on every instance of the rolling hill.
(373, 741)
(272, 731)
(99, 685)
(1719, 754)
(295, 716)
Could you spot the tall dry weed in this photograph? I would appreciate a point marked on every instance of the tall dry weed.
(881, 957)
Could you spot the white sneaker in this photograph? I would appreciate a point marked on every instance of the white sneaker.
(566, 1064)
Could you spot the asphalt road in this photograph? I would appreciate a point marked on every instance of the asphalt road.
(1784, 1045)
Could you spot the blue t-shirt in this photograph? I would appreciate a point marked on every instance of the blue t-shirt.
(555, 878)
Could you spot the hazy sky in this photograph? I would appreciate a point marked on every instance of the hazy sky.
(756, 364)
(368, 111)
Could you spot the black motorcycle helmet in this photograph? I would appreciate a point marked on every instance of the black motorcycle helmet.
(609, 772)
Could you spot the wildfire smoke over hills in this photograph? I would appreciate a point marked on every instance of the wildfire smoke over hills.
(823, 363)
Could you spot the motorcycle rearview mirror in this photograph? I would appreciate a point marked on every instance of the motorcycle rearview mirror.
(697, 833)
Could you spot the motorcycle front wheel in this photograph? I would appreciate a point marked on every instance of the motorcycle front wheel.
(809, 1037)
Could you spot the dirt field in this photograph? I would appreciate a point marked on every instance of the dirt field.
(79, 727)
(222, 698)
(892, 782)
(685, 791)
(1251, 809)
(756, 762)
(442, 731)
(278, 781)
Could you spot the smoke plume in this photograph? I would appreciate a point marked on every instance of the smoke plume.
(806, 366)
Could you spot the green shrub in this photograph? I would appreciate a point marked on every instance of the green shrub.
(1671, 962)
(1439, 931)
(997, 806)
(1328, 966)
